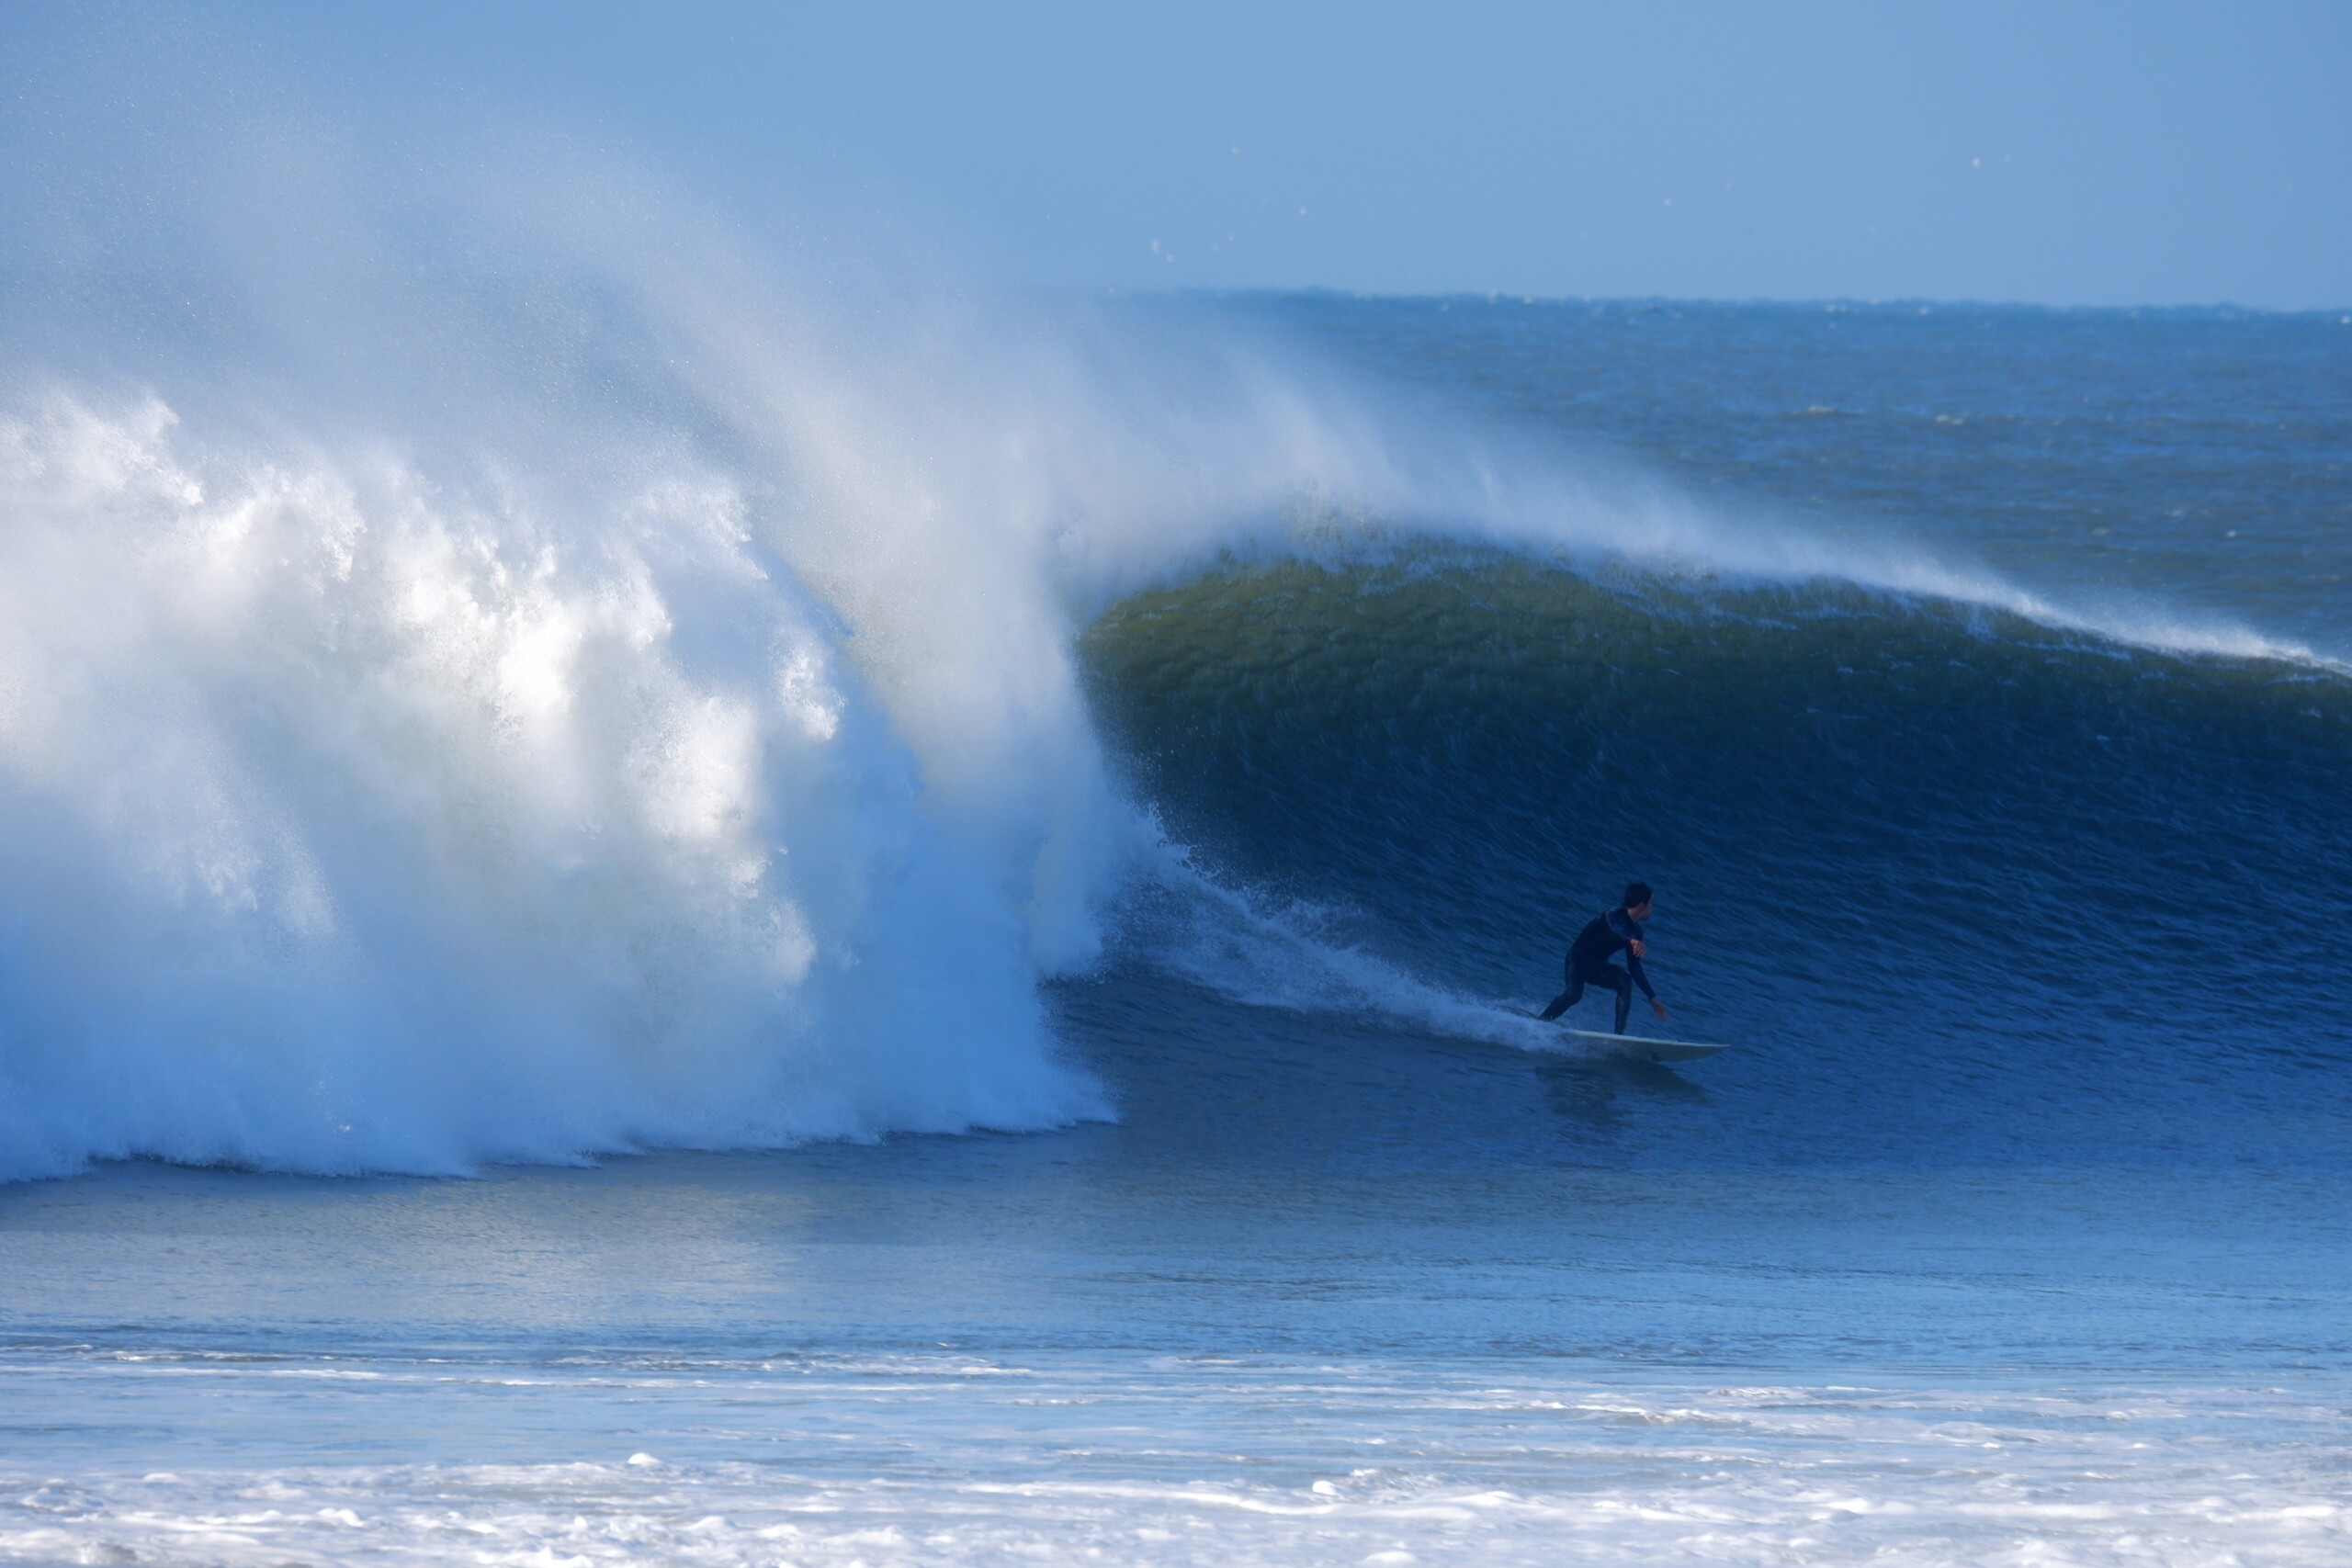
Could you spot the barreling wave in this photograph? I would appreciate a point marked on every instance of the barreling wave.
(658, 717)
(2069, 887)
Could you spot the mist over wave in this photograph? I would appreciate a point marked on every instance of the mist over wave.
(539, 678)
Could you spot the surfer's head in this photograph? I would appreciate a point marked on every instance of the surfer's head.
(1637, 900)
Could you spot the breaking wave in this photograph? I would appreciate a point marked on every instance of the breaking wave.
(583, 701)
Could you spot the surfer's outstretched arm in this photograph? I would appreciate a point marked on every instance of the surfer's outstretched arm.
(1641, 977)
(1634, 964)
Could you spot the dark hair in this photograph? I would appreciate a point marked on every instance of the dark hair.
(1636, 895)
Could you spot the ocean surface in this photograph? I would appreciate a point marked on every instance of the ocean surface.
(676, 922)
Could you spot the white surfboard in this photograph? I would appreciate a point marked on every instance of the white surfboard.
(1642, 1050)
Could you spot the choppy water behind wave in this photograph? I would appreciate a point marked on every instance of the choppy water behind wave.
(728, 769)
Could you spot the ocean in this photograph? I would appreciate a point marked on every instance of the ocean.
(665, 919)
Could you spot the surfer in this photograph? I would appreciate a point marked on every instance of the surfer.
(1614, 931)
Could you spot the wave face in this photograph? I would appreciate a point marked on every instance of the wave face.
(1965, 887)
(474, 688)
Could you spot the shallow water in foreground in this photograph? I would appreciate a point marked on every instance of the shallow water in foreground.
(1280, 1314)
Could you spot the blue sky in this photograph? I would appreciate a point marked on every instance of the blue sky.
(2050, 152)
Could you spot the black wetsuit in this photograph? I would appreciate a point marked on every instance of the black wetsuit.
(1589, 956)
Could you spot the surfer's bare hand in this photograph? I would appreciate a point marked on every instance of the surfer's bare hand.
(1640, 951)
(1657, 1006)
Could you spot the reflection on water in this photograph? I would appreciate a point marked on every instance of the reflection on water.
(1586, 1092)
